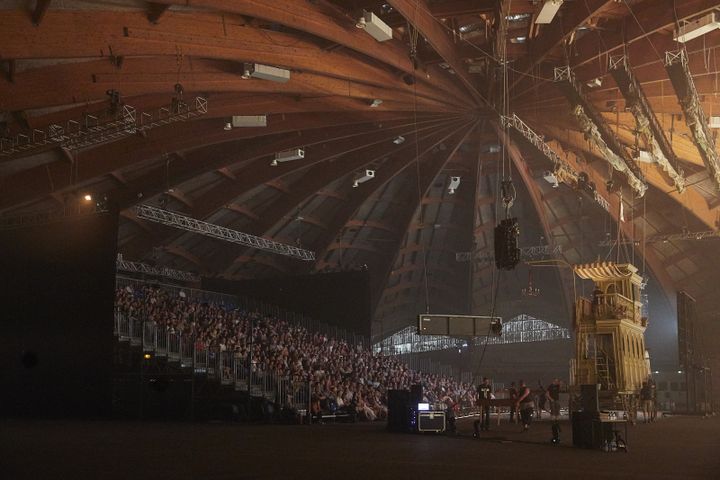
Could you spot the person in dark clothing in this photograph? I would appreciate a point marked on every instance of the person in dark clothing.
(512, 393)
(484, 395)
(596, 299)
(525, 405)
(646, 401)
(553, 396)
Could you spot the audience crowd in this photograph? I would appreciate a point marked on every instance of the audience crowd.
(340, 375)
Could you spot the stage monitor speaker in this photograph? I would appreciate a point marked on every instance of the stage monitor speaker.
(590, 401)
(507, 253)
(416, 394)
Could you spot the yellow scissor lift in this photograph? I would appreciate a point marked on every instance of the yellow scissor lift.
(610, 336)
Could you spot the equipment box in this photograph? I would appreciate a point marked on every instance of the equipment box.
(431, 421)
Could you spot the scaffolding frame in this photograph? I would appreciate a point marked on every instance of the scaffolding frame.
(597, 131)
(94, 130)
(562, 170)
(522, 328)
(189, 224)
(646, 122)
(123, 265)
(676, 64)
(526, 253)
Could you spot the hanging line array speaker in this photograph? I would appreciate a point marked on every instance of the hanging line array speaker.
(507, 253)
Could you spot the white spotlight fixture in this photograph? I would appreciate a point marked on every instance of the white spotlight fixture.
(247, 70)
(399, 139)
(595, 82)
(288, 156)
(548, 11)
(375, 27)
(376, 103)
(698, 27)
(369, 175)
(454, 184)
(644, 157)
(228, 126)
(551, 178)
(265, 72)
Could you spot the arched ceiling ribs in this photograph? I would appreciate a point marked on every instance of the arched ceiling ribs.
(655, 16)
(178, 195)
(317, 19)
(128, 35)
(366, 190)
(418, 14)
(259, 170)
(322, 175)
(184, 254)
(651, 258)
(242, 210)
(294, 130)
(554, 35)
(650, 71)
(380, 225)
(365, 247)
(427, 172)
(89, 82)
(132, 217)
(690, 199)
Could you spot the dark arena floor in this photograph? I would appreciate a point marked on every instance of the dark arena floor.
(672, 448)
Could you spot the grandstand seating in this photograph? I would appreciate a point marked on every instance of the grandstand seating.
(291, 366)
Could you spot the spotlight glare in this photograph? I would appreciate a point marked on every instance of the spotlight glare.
(88, 197)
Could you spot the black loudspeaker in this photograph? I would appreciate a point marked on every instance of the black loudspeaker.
(588, 431)
(416, 394)
(589, 395)
(507, 253)
(398, 410)
(582, 429)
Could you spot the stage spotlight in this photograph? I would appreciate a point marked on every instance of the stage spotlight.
(228, 126)
(88, 197)
(147, 356)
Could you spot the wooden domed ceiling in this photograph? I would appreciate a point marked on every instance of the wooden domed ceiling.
(417, 110)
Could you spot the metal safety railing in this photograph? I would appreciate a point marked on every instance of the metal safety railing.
(225, 366)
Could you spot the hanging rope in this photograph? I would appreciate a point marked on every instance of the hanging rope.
(413, 34)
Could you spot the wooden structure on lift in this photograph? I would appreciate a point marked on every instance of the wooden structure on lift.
(610, 333)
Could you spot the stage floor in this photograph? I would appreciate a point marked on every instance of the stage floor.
(672, 448)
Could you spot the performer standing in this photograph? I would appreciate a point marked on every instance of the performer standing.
(512, 393)
(484, 395)
(525, 405)
(553, 396)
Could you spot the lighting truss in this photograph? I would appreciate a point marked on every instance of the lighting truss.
(597, 131)
(562, 170)
(526, 253)
(645, 119)
(138, 267)
(686, 235)
(94, 130)
(521, 329)
(676, 64)
(183, 222)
